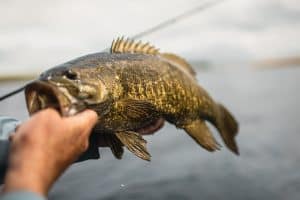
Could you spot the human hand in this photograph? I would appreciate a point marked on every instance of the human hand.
(43, 147)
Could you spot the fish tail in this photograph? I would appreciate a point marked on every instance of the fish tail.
(228, 128)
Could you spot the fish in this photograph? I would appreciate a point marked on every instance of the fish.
(131, 87)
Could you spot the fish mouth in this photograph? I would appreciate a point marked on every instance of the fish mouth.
(41, 95)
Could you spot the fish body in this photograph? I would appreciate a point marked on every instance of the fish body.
(129, 88)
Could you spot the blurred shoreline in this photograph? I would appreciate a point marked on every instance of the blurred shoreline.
(278, 62)
(12, 78)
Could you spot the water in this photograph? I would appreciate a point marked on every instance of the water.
(266, 104)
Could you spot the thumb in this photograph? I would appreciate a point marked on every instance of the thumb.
(84, 121)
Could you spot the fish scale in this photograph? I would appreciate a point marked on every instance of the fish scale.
(135, 78)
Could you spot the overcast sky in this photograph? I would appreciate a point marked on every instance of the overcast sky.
(36, 35)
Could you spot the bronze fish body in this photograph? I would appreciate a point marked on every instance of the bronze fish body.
(129, 88)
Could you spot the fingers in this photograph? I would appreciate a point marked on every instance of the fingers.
(76, 128)
(80, 124)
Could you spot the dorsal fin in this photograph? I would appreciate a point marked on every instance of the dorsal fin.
(121, 45)
(180, 62)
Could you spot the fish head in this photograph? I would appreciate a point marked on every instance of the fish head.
(68, 90)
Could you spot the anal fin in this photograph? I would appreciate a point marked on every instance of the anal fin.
(135, 143)
(199, 131)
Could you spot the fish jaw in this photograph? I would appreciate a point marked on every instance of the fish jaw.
(42, 94)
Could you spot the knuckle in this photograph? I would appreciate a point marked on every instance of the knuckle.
(26, 138)
(84, 146)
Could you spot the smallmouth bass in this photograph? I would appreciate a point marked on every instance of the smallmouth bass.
(131, 87)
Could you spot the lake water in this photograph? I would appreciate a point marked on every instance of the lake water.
(266, 104)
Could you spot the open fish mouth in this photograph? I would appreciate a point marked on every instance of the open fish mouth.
(41, 95)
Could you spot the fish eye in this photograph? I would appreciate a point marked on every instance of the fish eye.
(70, 75)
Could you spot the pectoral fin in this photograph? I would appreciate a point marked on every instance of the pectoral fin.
(136, 110)
(199, 131)
(135, 143)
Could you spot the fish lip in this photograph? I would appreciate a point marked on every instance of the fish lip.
(55, 97)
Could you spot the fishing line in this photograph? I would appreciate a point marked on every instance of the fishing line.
(16, 91)
(176, 19)
(162, 25)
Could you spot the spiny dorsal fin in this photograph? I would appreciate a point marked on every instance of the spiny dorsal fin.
(180, 62)
(122, 45)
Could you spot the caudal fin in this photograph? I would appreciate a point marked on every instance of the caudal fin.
(228, 128)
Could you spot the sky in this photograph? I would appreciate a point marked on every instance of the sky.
(37, 35)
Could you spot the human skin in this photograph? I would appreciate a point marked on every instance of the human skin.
(44, 146)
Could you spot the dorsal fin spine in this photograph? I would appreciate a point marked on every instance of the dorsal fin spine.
(122, 45)
(130, 46)
(118, 45)
(127, 43)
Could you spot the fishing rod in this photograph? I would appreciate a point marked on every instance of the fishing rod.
(160, 26)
